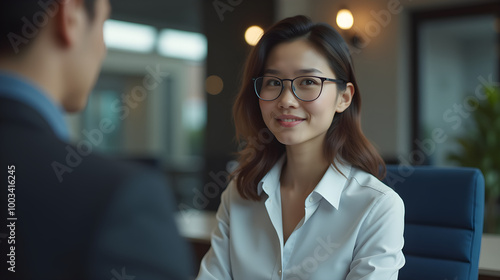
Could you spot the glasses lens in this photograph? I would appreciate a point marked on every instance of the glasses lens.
(307, 88)
(268, 88)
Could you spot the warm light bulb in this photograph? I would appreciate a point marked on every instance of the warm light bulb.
(253, 34)
(345, 20)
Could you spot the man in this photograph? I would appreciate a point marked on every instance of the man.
(64, 215)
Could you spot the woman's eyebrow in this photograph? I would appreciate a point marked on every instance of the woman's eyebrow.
(308, 71)
(300, 71)
(271, 71)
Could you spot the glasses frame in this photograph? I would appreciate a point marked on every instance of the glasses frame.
(323, 79)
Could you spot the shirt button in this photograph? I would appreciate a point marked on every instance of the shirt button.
(279, 272)
(311, 199)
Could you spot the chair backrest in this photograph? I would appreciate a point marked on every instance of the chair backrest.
(443, 220)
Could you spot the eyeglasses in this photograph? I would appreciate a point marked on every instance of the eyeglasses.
(305, 88)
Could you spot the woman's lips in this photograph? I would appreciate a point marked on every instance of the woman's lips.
(289, 120)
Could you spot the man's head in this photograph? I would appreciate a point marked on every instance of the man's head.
(58, 44)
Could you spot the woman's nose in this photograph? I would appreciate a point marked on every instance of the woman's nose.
(287, 97)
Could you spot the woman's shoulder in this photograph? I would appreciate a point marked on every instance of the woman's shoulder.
(231, 194)
(365, 189)
(369, 184)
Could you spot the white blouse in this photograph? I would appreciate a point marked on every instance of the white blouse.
(352, 229)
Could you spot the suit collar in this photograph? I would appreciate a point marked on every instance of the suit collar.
(20, 114)
(17, 88)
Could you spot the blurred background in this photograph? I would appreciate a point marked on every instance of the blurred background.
(428, 73)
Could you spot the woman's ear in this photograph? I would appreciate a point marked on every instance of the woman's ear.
(344, 99)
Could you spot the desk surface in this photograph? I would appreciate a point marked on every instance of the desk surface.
(198, 225)
(489, 261)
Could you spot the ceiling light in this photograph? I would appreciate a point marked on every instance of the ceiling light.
(182, 44)
(253, 34)
(345, 20)
(129, 36)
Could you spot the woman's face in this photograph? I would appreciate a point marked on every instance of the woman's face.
(293, 121)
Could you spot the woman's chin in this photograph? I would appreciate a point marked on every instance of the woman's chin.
(288, 141)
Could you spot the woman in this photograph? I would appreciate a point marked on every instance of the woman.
(306, 203)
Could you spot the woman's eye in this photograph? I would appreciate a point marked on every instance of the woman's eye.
(274, 83)
(308, 82)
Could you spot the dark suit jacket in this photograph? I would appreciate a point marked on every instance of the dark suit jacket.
(104, 220)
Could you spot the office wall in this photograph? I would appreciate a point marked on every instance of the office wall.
(381, 64)
(152, 120)
(224, 25)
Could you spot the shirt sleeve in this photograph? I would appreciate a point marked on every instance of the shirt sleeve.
(216, 263)
(378, 250)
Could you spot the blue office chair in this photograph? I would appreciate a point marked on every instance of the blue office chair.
(443, 221)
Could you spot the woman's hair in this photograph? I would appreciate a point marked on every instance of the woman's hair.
(344, 139)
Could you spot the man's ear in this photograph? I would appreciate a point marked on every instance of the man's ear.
(344, 99)
(70, 21)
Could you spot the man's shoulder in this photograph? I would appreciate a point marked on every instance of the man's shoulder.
(105, 166)
(40, 154)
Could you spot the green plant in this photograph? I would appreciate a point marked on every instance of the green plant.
(480, 147)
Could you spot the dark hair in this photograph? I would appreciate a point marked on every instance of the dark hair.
(26, 14)
(344, 139)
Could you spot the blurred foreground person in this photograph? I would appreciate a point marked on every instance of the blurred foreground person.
(67, 213)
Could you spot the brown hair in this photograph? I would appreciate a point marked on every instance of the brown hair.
(344, 138)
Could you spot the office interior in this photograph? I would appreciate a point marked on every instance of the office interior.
(422, 67)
